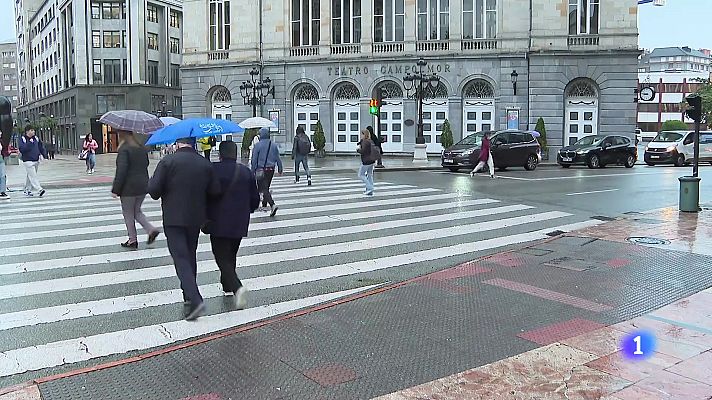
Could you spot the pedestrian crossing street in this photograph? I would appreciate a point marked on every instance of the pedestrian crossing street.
(71, 296)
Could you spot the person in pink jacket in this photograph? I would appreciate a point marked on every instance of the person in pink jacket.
(485, 157)
(90, 147)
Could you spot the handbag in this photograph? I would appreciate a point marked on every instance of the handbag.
(260, 172)
(206, 228)
(84, 154)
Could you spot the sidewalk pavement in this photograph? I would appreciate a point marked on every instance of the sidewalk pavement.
(542, 321)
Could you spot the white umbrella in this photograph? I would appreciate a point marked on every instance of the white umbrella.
(169, 120)
(256, 122)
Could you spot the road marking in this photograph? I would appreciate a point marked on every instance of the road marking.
(86, 348)
(334, 200)
(445, 217)
(591, 192)
(145, 337)
(166, 271)
(34, 234)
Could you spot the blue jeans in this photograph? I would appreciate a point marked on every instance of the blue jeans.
(3, 178)
(303, 160)
(91, 161)
(365, 173)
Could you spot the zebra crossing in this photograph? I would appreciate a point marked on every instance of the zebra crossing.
(70, 296)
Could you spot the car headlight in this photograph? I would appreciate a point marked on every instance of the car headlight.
(579, 152)
(646, 148)
(670, 148)
(467, 152)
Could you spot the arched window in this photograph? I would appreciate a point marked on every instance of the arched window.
(478, 89)
(438, 92)
(306, 92)
(581, 88)
(222, 95)
(346, 91)
(390, 90)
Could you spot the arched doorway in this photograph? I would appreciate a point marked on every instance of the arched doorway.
(221, 103)
(391, 95)
(435, 112)
(477, 107)
(306, 108)
(347, 117)
(581, 98)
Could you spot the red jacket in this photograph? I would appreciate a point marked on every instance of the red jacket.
(485, 150)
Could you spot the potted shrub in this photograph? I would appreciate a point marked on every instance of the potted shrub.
(541, 128)
(446, 139)
(319, 140)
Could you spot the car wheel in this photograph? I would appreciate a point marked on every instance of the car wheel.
(453, 169)
(565, 165)
(680, 161)
(532, 162)
(650, 164)
(594, 161)
(630, 161)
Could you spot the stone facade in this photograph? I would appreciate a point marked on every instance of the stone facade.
(534, 40)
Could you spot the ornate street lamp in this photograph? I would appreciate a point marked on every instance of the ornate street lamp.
(254, 92)
(417, 83)
(514, 76)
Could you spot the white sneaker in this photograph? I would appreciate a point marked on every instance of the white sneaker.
(241, 298)
(228, 294)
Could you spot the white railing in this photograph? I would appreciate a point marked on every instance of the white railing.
(304, 51)
(433, 45)
(583, 40)
(388, 47)
(218, 55)
(478, 44)
(339, 49)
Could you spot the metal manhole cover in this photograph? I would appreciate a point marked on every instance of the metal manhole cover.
(647, 240)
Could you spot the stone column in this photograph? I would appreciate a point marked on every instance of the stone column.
(366, 26)
(325, 30)
(411, 19)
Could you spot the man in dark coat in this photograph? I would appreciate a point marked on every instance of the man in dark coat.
(184, 181)
(377, 142)
(229, 217)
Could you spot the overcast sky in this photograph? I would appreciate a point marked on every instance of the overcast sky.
(679, 23)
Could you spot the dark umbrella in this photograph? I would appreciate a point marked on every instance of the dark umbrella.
(132, 121)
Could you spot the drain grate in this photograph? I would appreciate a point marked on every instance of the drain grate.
(647, 240)
(555, 233)
(603, 218)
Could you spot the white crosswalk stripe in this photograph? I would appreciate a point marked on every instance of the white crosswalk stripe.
(73, 295)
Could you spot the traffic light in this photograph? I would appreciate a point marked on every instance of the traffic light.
(694, 111)
(374, 108)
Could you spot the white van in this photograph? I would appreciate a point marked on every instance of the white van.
(677, 147)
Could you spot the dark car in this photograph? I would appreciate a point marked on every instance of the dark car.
(597, 151)
(509, 149)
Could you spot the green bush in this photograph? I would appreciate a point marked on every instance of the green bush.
(674, 125)
(446, 139)
(319, 138)
(541, 128)
(247, 138)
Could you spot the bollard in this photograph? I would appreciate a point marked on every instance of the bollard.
(689, 193)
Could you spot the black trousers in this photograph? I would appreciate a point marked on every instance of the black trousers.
(207, 153)
(225, 252)
(263, 188)
(183, 245)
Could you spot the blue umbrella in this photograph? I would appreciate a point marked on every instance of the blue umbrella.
(194, 128)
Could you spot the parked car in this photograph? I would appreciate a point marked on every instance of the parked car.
(510, 148)
(597, 151)
(678, 148)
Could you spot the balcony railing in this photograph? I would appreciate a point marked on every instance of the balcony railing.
(218, 55)
(433, 45)
(478, 44)
(304, 51)
(388, 47)
(583, 40)
(339, 49)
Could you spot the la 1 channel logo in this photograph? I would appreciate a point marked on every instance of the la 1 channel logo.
(638, 345)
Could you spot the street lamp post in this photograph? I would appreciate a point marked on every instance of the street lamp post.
(254, 92)
(417, 83)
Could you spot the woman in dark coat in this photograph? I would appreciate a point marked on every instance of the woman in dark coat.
(229, 217)
(485, 157)
(131, 185)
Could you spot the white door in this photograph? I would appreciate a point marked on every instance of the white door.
(581, 120)
(478, 115)
(306, 115)
(392, 125)
(346, 126)
(434, 115)
(222, 111)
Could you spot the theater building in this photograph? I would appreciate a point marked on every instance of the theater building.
(575, 63)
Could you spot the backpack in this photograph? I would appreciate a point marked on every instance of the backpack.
(212, 141)
(303, 145)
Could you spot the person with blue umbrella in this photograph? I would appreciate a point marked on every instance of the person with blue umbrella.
(184, 181)
(193, 128)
